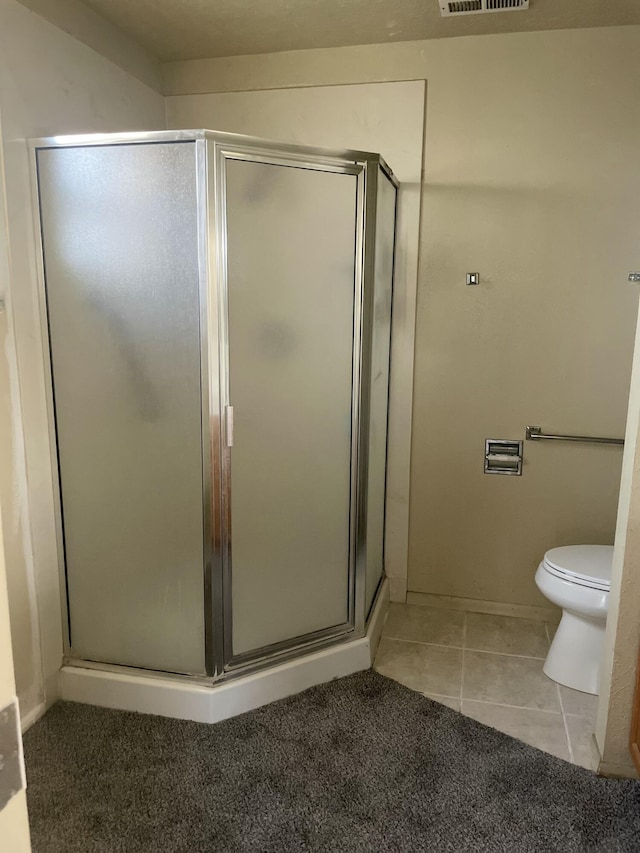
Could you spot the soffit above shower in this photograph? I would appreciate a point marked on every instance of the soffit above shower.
(199, 29)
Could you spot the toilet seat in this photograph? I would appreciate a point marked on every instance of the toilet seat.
(584, 565)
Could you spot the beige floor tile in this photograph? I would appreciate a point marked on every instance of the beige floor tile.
(506, 634)
(505, 680)
(580, 704)
(424, 624)
(541, 729)
(429, 669)
(580, 735)
(449, 701)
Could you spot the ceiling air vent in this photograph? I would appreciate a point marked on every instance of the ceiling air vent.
(476, 7)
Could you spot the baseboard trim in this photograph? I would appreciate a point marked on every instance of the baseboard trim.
(210, 704)
(474, 605)
(594, 753)
(398, 589)
(32, 716)
(378, 616)
(610, 770)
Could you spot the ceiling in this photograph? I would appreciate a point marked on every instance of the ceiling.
(198, 29)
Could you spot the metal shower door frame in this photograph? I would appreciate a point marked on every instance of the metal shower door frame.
(225, 147)
(120, 139)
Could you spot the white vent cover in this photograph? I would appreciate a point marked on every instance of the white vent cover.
(476, 7)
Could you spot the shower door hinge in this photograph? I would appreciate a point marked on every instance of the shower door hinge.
(228, 425)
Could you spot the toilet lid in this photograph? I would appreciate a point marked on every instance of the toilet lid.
(589, 565)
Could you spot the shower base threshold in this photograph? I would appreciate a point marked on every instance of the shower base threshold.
(185, 700)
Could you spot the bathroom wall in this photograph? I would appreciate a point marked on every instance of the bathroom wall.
(94, 31)
(14, 823)
(50, 83)
(531, 179)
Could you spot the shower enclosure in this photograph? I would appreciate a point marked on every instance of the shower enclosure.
(217, 310)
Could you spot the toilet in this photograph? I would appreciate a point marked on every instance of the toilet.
(577, 578)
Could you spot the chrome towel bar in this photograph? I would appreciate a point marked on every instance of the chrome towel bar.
(534, 433)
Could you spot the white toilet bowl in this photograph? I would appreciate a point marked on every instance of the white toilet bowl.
(577, 579)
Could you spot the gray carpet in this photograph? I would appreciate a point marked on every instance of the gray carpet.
(360, 764)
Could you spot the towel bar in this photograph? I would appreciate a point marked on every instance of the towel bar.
(534, 433)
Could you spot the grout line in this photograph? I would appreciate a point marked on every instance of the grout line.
(431, 695)
(561, 713)
(566, 727)
(464, 642)
(421, 642)
(462, 648)
(504, 654)
(514, 707)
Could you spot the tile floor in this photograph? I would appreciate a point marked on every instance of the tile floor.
(489, 668)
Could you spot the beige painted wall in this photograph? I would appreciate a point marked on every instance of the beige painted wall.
(49, 84)
(383, 117)
(14, 823)
(81, 22)
(532, 180)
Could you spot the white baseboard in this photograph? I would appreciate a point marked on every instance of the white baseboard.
(606, 768)
(398, 589)
(378, 616)
(30, 717)
(611, 769)
(617, 771)
(473, 605)
(210, 704)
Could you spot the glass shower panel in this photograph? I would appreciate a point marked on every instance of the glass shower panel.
(379, 391)
(291, 236)
(119, 227)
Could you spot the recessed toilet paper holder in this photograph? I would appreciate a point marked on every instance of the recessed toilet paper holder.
(502, 456)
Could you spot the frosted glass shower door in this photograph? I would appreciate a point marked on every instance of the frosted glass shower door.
(120, 240)
(291, 253)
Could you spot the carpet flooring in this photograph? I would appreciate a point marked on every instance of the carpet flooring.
(359, 764)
